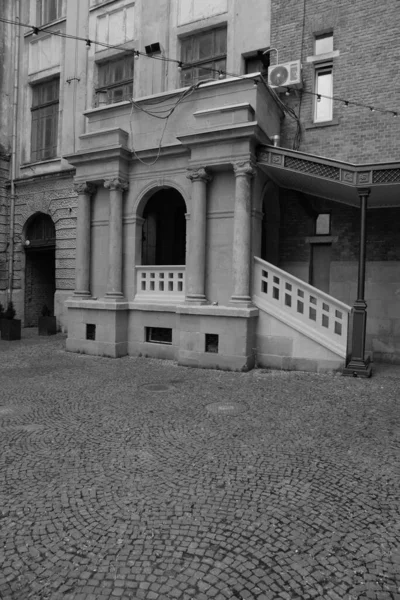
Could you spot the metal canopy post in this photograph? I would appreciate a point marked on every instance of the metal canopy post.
(358, 365)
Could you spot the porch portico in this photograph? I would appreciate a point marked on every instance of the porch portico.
(362, 186)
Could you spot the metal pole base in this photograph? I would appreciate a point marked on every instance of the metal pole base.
(358, 368)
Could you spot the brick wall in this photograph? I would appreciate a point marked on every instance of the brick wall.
(297, 223)
(366, 34)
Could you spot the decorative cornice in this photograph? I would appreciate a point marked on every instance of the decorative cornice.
(243, 168)
(116, 183)
(85, 187)
(199, 175)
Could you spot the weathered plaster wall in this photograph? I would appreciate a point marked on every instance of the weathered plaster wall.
(55, 197)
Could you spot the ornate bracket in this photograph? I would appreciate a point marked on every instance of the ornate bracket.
(85, 187)
(199, 175)
(116, 183)
(244, 168)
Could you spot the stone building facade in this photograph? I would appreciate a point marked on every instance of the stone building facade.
(195, 237)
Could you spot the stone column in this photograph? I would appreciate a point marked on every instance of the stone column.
(195, 272)
(117, 187)
(82, 261)
(244, 171)
(358, 365)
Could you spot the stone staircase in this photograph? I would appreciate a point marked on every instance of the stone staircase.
(299, 327)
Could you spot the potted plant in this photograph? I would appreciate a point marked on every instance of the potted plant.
(47, 322)
(10, 327)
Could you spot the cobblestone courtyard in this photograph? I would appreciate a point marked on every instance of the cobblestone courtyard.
(118, 480)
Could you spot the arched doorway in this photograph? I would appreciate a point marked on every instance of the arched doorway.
(270, 225)
(40, 282)
(164, 229)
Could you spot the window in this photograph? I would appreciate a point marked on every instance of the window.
(324, 43)
(48, 10)
(115, 81)
(45, 104)
(323, 224)
(203, 55)
(257, 63)
(159, 335)
(323, 82)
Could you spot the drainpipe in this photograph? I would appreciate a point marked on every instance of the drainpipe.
(13, 156)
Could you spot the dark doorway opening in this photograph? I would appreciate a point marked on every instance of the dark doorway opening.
(270, 227)
(164, 229)
(40, 281)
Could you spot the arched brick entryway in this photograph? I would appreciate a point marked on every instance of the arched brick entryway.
(40, 281)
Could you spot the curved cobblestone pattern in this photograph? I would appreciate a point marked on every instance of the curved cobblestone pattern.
(110, 488)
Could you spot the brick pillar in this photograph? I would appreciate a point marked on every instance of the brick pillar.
(82, 261)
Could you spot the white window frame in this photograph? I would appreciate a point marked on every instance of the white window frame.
(320, 99)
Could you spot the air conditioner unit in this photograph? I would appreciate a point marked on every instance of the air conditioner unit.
(286, 75)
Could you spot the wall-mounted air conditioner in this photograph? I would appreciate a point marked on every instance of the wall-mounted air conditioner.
(285, 75)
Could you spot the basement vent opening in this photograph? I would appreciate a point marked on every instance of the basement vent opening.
(90, 331)
(159, 335)
(212, 340)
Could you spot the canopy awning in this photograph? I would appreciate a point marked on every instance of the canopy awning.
(331, 179)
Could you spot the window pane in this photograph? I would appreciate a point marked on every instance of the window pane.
(50, 10)
(186, 77)
(323, 86)
(204, 72)
(38, 12)
(186, 50)
(323, 224)
(220, 42)
(324, 43)
(206, 45)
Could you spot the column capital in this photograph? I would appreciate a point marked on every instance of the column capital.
(199, 175)
(363, 192)
(85, 187)
(116, 183)
(245, 167)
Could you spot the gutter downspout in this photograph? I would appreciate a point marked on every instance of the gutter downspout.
(13, 156)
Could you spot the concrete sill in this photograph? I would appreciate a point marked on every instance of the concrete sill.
(331, 123)
(40, 162)
(44, 27)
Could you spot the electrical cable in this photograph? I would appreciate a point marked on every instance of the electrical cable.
(160, 113)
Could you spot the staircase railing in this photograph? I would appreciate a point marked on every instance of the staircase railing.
(302, 306)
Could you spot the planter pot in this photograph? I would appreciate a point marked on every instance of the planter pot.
(11, 329)
(47, 325)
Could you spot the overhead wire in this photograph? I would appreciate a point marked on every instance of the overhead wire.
(164, 114)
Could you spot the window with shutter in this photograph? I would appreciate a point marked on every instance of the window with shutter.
(203, 56)
(45, 107)
(115, 80)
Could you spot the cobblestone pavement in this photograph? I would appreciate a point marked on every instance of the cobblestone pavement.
(119, 480)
